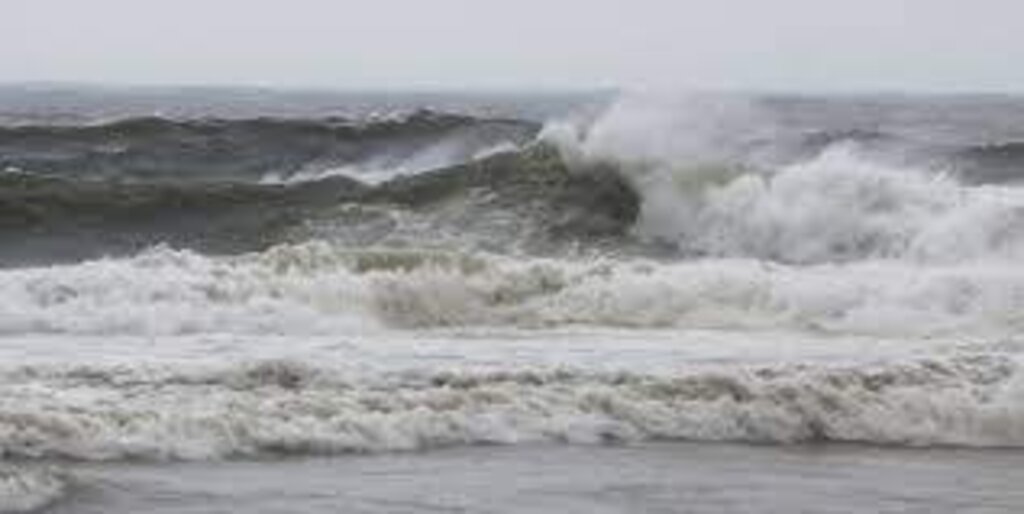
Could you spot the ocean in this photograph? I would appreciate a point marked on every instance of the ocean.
(246, 300)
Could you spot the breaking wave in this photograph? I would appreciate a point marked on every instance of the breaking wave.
(320, 289)
(678, 214)
(704, 177)
(648, 216)
(280, 407)
(706, 189)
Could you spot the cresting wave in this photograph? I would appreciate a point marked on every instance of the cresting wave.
(520, 199)
(706, 188)
(281, 407)
(835, 243)
(317, 288)
(702, 178)
(836, 207)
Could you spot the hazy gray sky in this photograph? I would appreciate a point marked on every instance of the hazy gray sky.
(750, 44)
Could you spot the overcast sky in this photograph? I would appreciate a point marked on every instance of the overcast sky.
(933, 45)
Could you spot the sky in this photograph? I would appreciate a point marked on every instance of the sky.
(785, 45)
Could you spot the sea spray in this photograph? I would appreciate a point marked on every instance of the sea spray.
(705, 189)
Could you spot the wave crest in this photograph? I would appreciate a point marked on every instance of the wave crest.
(706, 189)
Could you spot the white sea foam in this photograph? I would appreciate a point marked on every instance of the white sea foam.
(704, 189)
(319, 289)
(283, 407)
(29, 489)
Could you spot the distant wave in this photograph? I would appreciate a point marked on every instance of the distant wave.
(382, 168)
(248, 149)
(991, 162)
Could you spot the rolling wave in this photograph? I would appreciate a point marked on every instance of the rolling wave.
(249, 149)
(525, 197)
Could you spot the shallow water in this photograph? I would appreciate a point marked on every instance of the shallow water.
(558, 479)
